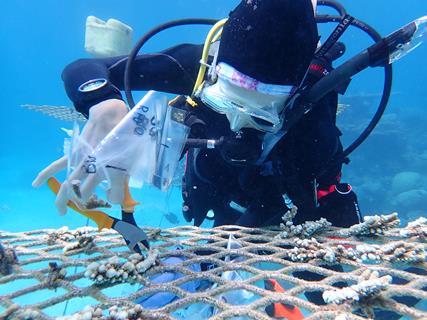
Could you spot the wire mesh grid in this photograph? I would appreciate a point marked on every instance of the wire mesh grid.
(58, 112)
(262, 255)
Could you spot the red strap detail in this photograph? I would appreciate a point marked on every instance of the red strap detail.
(324, 193)
(317, 67)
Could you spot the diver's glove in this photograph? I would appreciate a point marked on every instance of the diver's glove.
(103, 117)
(340, 206)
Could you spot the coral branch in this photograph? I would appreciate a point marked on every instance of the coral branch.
(113, 270)
(369, 286)
(305, 230)
(373, 226)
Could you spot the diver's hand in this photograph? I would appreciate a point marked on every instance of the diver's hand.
(50, 171)
(103, 117)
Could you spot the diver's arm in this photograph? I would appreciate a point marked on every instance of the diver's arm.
(173, 70)
(94, 87)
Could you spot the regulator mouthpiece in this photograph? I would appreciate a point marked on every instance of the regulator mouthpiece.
(407, 39)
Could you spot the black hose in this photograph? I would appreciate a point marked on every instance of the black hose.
(377, 117)
(334, 5)
(203, 143)
(388, 82)
(144, 40)
(337, 77)
(326, 18)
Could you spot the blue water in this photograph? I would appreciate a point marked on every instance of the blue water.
(40, 37)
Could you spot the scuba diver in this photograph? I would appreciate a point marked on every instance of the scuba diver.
(265, 49)
(260, 106)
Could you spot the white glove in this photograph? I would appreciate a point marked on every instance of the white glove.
(103, 117)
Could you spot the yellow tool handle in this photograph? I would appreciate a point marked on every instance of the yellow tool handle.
(102, 219)
(128, 204)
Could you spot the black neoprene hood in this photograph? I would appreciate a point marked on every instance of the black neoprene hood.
(272, 41)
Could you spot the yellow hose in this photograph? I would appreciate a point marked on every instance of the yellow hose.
(213, 35)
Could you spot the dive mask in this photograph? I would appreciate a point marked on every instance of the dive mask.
(246, 102)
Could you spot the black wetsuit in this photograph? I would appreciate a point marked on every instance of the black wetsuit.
(173, 70)
(211, 180)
